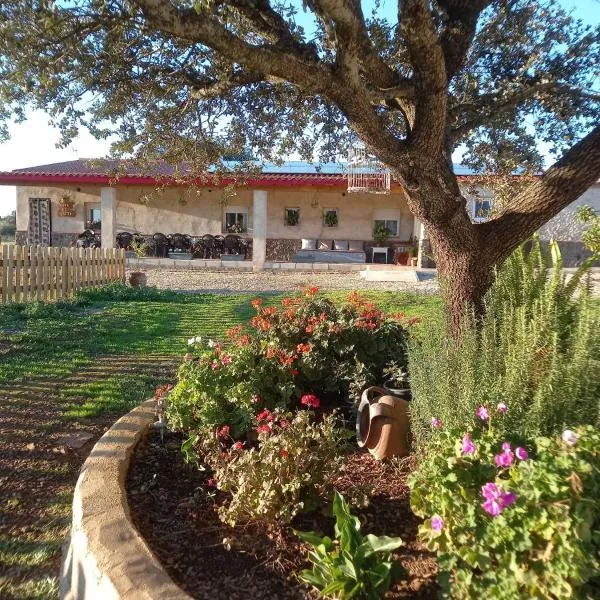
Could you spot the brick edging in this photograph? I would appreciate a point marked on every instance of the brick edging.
(105, 556)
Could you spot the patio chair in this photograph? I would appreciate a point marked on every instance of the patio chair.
(231, 244)
(180, 241)
(87, 239)
(208, 245)
(219, 245)
(124, 240)
(197, 249)
(160, 245)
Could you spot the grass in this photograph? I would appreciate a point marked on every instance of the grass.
(69, 363)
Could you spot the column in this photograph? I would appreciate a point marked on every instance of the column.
(108, 216)
(259, 224)
(419, 235)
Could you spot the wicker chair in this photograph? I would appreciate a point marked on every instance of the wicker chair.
(219, 245)
(231, 244)
(208, 245)
(160, 245)
(180, 241)
(124, 240)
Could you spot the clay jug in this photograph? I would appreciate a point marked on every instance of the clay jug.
(382, 424)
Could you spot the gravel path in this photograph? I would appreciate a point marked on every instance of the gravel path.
(223, 282)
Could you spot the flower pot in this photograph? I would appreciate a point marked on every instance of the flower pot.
(138, 279)
(382, 424)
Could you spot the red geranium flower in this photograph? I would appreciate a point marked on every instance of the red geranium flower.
(265, 415)
(285, 453)
(223, 432)
(294, 372)
(256, 302)
(211, 482)
(266, 428)
(310, 400)
(238, 446)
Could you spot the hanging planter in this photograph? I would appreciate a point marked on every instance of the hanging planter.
(330, 218)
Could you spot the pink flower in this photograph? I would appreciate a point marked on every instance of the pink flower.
(226, 359)
(502, 408)
(310, 400)
(468, 447)
(223, 432)
(435, 423)
(521, 453)
(238, 446)
(211, 483)
(284, 423)
(482, 413)
(437, 523)
(266, 428)
(496, 500)
(256, 399)
(214, 365)
(569, 437)
(505, 458)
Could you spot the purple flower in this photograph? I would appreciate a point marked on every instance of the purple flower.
(482, 413)
(506, 457)
(521, 453)
(468, 447)
(437, 523)
(435, 423)
(496, 500)
(502, 408)
(569, 437)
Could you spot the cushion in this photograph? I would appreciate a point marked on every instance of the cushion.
(340, 245)
(309, 244)
(324, 245)
(356, 246)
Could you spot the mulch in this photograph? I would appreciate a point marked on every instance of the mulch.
(176, 512)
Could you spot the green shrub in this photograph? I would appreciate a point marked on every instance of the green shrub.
(537, 350)
(308, 345)
(279, 476)
(357, 566)
(507, 525)
(120, 292)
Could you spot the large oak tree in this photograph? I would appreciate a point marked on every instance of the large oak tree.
(192, 80)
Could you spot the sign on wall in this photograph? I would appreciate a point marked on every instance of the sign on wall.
(66, 208)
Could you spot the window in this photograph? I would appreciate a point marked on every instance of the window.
(392, 225)
(291, 217)
(94, 218)
(236, 220)
(482, 208)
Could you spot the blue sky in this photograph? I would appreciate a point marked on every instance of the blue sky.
(34, 142)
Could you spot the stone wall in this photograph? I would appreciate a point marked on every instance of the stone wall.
(21, 238)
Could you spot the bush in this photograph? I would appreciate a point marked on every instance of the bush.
(280, 476)
(307, 345)
(537, 350)
(512, 519)
(357, 566)
(120, 292)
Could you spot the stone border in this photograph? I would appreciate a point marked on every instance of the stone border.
(105, 556)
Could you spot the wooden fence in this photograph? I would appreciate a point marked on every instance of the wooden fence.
(36, 273)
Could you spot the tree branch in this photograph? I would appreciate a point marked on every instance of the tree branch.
(271, 59)
(203, 88)
(459, 30)
(482, 108)
(560, 185)
(431, 85)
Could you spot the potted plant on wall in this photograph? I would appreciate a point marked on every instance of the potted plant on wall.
(138, 278)
(292, 217)
(396, 381)
(330, 218)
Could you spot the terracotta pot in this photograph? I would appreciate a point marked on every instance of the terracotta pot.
(138, 279)
(382, 424)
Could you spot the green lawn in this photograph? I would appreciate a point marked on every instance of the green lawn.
(78, 366)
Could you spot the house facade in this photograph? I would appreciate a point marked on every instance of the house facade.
(277, 208)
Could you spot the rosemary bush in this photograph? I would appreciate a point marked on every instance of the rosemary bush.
(537, 351)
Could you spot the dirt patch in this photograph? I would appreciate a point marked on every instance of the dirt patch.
(175, 511)
(41, 452)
